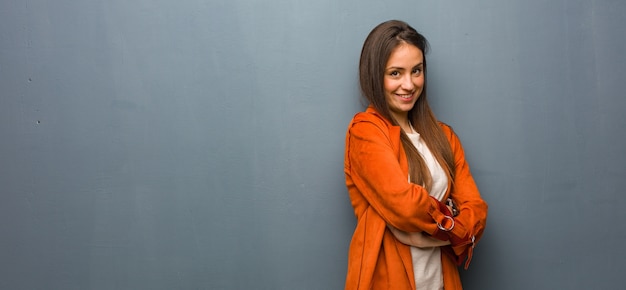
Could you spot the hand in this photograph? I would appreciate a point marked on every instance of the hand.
(451, 205)
(451, 209)
(417, 239)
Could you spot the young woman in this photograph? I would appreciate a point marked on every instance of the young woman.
(419, 212)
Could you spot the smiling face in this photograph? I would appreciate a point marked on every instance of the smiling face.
(403, 80)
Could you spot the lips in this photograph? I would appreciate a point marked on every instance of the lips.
(406, 97)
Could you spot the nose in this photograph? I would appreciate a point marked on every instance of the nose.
(407, 82)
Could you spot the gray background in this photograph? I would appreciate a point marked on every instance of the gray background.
(199, 144)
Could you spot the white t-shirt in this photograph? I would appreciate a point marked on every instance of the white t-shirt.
(427, 261)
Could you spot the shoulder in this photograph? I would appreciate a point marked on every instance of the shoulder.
(366, 125)
(371, 126)
(448, 131)
(370, 118)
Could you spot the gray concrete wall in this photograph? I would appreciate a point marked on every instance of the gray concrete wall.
(199, 144)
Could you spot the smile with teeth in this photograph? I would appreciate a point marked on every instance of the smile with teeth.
(405, 96)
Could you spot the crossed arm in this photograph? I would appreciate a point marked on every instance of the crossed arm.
(417, 239)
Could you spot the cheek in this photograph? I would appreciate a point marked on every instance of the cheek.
(386, 84)
(390, 85)
(419, 81)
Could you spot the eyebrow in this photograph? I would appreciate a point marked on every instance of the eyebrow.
(401, 68)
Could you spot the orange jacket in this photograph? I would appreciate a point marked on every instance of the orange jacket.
(376, 172)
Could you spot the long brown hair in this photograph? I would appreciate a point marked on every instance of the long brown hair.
(377, 48)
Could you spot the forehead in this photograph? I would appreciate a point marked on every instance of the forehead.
(405, 55)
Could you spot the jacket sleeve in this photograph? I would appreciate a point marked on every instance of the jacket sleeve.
(472, 208)
(373, 166)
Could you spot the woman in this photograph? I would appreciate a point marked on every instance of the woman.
(401, 164)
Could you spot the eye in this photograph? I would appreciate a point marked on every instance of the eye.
(416, 71)
(394, 73)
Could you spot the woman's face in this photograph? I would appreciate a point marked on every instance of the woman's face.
(404, 79)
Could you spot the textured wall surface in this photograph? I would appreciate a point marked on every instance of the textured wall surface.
(199, 144)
